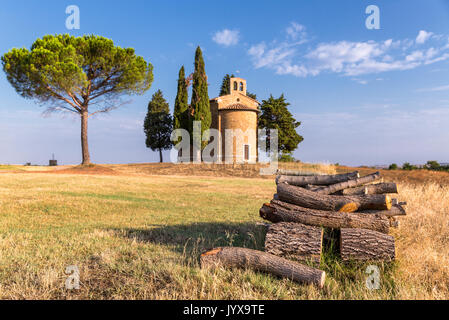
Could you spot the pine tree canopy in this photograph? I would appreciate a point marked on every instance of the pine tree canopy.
(75, 70)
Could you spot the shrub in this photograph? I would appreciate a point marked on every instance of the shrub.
(393, 166)
(286, 157)
(433, 165)
(408, 166)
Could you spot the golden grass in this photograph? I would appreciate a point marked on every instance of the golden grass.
(139, 237)
(216, 170)
(423, 243)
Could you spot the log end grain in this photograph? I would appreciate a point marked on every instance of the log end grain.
(295, 241)
(388, 202)
(267, 212)
(349, 207)
(366, 245)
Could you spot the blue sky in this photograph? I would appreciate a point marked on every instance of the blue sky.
(363, 96)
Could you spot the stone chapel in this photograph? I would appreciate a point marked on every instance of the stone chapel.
(240, 113)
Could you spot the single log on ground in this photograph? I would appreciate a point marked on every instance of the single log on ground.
(295, 241)
(361, 244)
(396, 210)
(326, 180)
(309, 199)
(349, 184)
(380, 188)
(328, 219)
(262, 261)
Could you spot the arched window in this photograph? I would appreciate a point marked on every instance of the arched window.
(235, 85)
(241, 86)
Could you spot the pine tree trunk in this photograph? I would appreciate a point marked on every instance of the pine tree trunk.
(294, 241)
(84, 138)
(161, 160)
(328, 219)
(364, 245)
(264, 262)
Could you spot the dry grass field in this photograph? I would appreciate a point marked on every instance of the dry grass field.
(136, 231)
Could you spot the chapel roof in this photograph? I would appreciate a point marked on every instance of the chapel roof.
(244, 95)
(238, 106)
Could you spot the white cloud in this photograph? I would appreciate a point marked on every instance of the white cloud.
(435, 89)
(337, 57)
(296, 31)
(264, 57)
(423, 36)
(227, 37)
(360, 81)
(345, 57)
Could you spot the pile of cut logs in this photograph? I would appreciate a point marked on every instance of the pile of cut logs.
(359, 207)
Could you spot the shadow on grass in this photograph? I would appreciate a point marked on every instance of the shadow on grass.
(191, 239)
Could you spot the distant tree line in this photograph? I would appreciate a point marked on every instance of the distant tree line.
(430, 165)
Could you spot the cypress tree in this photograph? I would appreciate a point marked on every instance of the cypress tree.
(158, 124)
(181, 112)
(200, 106)
(226, 85)
(251, 95)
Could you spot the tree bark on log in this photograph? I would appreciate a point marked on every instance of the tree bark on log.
(396, 202)
(396, 210)
(262, 261)
(380, 188)
(328, 219)
(326, 180)
(284, 172)
(309, 199)
(285, 205)
(295, 241)
(364, 245)
(312, 187)
(349, 184)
